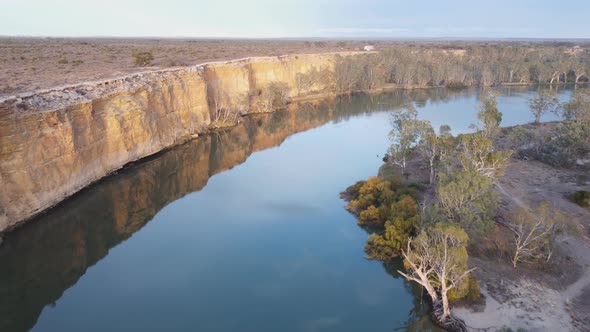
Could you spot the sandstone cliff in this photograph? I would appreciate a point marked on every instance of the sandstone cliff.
(55, 142)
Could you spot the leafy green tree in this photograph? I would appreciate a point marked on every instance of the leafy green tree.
(545, 101)
(435, 148)
(572, 139)
(562, 146)
(488, 114)
(404, 136)
(465, 197)
(578, 108)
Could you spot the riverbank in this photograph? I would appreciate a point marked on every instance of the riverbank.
(552, 296)
(547, 296)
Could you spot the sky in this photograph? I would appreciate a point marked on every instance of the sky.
(297, 18)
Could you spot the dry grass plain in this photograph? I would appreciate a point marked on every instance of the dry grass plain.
(29, 64)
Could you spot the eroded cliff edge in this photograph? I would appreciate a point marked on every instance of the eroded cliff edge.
(55, 142)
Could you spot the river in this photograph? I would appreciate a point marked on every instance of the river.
(241, 230)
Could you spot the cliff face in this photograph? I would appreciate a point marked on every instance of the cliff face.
(54, 143)
(47, 155)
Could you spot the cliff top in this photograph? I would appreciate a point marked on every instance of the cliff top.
(67, 95)
(33, 64)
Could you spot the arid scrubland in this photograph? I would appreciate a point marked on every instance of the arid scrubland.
(29, 64)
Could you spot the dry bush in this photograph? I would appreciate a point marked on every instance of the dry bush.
(142, 59)
(273, 97)
(581, 197)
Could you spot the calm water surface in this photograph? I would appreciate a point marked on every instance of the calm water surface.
(236, 231)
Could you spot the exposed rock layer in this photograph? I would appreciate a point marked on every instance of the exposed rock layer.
(55, 142)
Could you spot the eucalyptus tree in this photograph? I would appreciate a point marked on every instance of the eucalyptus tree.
(404, 136)
(464, 194)
(544, 101)
(435, 148)
(578, 108)
(437, 260)
(489, 115)
(478, 153)
(465, 197)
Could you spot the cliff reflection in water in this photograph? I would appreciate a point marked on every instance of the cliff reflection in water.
(39, 261)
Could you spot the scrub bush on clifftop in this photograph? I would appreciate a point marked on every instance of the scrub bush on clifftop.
(142, 59)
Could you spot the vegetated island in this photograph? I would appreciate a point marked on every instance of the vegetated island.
(495, 223)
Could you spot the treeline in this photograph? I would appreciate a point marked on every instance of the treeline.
(477, 65)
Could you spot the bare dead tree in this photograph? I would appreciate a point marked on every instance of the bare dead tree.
(223, 111)
(533, 234)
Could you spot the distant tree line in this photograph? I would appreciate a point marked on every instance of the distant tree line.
(476, 65)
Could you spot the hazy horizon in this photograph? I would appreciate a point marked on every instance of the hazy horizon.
(290, 19)
(307, 38)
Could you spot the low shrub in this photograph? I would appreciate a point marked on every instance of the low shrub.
(142, 59)
(455, 85)
(387, 246)
(388, 207)
(402, 218)
(563, 147)
(273, 97)
(468, 290)
(581, 197)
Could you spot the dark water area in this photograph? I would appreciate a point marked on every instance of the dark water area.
(241, 230)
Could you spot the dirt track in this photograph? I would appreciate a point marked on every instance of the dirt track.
(528, 297)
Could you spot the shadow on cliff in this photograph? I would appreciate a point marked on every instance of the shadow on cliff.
(42, 259)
